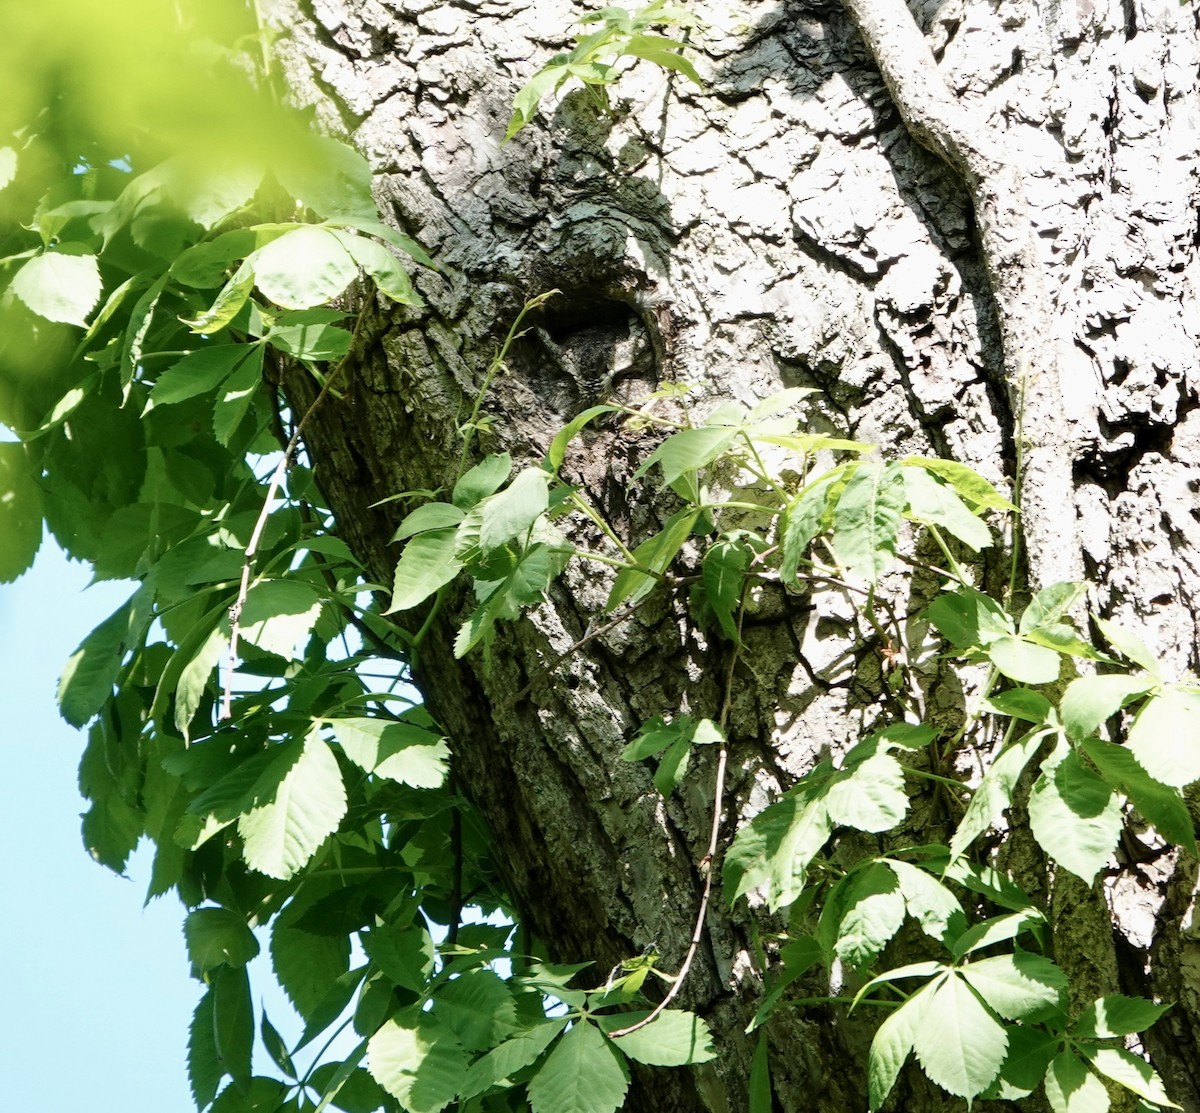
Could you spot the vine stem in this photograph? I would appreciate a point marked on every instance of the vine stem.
(709, 860)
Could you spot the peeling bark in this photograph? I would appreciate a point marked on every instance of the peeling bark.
(784, 226)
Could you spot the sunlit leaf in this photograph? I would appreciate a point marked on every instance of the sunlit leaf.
(582, 1074)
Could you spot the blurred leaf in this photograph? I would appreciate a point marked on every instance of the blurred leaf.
(59, 287)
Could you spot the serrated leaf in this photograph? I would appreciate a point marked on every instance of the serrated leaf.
(723, 574)
(507, 515)
(1130, 1071)
(1129, 645)
(227, 304)
(426, 565)
(866, 519)
(402, 752)
(88, 678)
(928, 901)
(508, 1058)
(1024, 661)
(934, 502)
(278, 615)
(20, 513)
(236, 394)
(1159, 804)
(688, 450)
(1029, 1053)
(891, 1047)
(870, 796)
(233, 1021)
(1116, 1015)
(959, 1043)
(281, 836)
(995, 791)
(1074, 816)
(431, 516)
(304, 268)
(310, 334)
(774, 849)
(1072, 1088)
(422, 1066)
(404, 953)
(384, 269)
(656, 553)
(483, 479)
(218, 936)
(656, 735)
(276, 1048)
(194, 677)
(477, 1007)
(1165, 737)
(997, 929)
(583, 1074)
(968, 618)
(203, 1065)
(1050, 604)
(1020, 986)
(871, 912)
(564, 437)
(199, 372)
(59, 287)
(966, 481)
(1021, 703)
(312, 969)
(675, 1038)
(1092, 700)
(803, 519)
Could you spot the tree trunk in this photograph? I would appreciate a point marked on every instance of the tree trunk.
(783, 226)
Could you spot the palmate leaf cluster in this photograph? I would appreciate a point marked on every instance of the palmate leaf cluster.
(152, 306)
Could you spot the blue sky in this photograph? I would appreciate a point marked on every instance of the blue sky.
(96, 994)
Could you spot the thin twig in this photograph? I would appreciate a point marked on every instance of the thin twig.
(708, 862)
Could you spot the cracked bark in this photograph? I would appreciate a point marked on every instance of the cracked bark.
(780, 227)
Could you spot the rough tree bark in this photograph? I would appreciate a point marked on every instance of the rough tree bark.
(911, 218)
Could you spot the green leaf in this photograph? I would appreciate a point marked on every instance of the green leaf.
(194, 677)
(1029, 1053)
(1024, 661)
(304, 268)
(564, 437)
(385, 270)
(583, 1074)
(309, 966)
(1022, 703)
(966, 481)
(400, 752)
(281, 836)
(656, 554)
(959, 1043)
(997, 929)
(279, 615)
(968, 618)
(233, 1021)
(891, 1047)
(404, 953)
(774, 849)
(928, 901)
(656, 735)
(870, 911)
(995, 791)
(1092, 700)
(1020, 986)
(1129, 645)
(1074, 816)
(723, 576)
(236, 394)
(1127, 1070)
(276, 1048)
(688, 450)
(227, 304)
(1116, 1015)
(1072, 1088)
(89, 676)
(20, 512)
(1165, 736)
(482, 480)
(422, 1067)
(203, 1065)
(866, 520)
(504, 516)
(330, 178)
(1159, 804)
(761, 1100)
(870, 796)
(218, 936)
(1050, 604)
(508, 1058)
(477, 1007)
(673, 766)
(675, 1038)
(199, 372)
(310, 334)
(525, 104)
(933, 502)
(426, 565)
(803, 519)
(59, 287)
(431, 516)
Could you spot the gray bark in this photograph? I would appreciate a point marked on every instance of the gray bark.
(786, 225)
